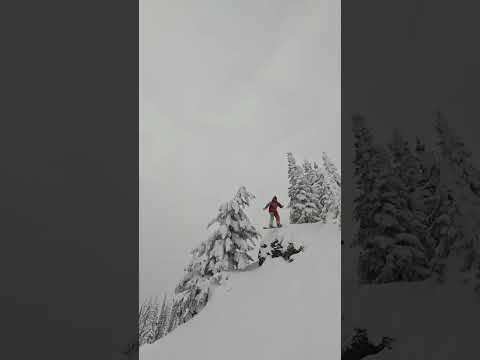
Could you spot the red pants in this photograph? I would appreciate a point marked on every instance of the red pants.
(276, 215)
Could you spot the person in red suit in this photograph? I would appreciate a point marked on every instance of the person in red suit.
(272, 207)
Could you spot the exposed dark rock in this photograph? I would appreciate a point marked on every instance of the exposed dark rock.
(276, 249)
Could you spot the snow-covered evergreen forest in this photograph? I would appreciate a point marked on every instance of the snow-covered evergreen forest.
(233, 244)
(416, 206)
(314, 191)
(417, 216)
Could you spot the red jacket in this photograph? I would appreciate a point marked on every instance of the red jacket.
(273, 205)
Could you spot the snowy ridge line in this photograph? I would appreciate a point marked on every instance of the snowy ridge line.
(233, 245)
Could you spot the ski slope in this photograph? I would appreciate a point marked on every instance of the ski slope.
(277, 311)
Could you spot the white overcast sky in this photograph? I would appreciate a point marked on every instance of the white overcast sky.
(227, 87)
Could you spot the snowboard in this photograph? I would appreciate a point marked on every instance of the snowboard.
(273, 227)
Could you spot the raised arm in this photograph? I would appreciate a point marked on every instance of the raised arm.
(266, 206)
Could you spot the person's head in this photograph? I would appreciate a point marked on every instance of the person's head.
(274, 198)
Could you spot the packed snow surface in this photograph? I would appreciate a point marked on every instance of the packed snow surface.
(278, 311)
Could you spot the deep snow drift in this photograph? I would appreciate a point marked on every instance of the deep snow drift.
(278, 311)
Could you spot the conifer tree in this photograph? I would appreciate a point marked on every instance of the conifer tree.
(333, 185)
(390, 252)
(322, 194)
(331, 169)
(226, 249)
(404, 162)
(460, 175)
(364, 153)
(147, 316)
(292, 177)
(173, 316)
(408, 171)
(160, 330)
(317, 192)
(294, 174)
(305, 208)
(314, 192)
(296, 194)
(462, 178)
(435, 203)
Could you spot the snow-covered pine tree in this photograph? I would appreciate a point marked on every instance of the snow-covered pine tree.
(292, 177)
(444, 231)
(317, 193)
(155, 311)
(461, 170)
(407, 170)
(428, 167)
(322, 194)
(424, 194)
(295, 174)
(435, 214)
(191, 296)
(460, 175)
(389, 251)
(147, 319)
(305, 209)
(364, 153)
(404, 162)
(161, 325)
(333, 182)
(462, 178)
(173, 317)
(299, 199)
(293, 192)
(229, 246)
(331, 169)
(444, 227)
(308, 171)
(313, 192)
(226, 249)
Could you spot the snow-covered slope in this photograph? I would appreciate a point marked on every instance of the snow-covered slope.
(278, 311)
(428, 320)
